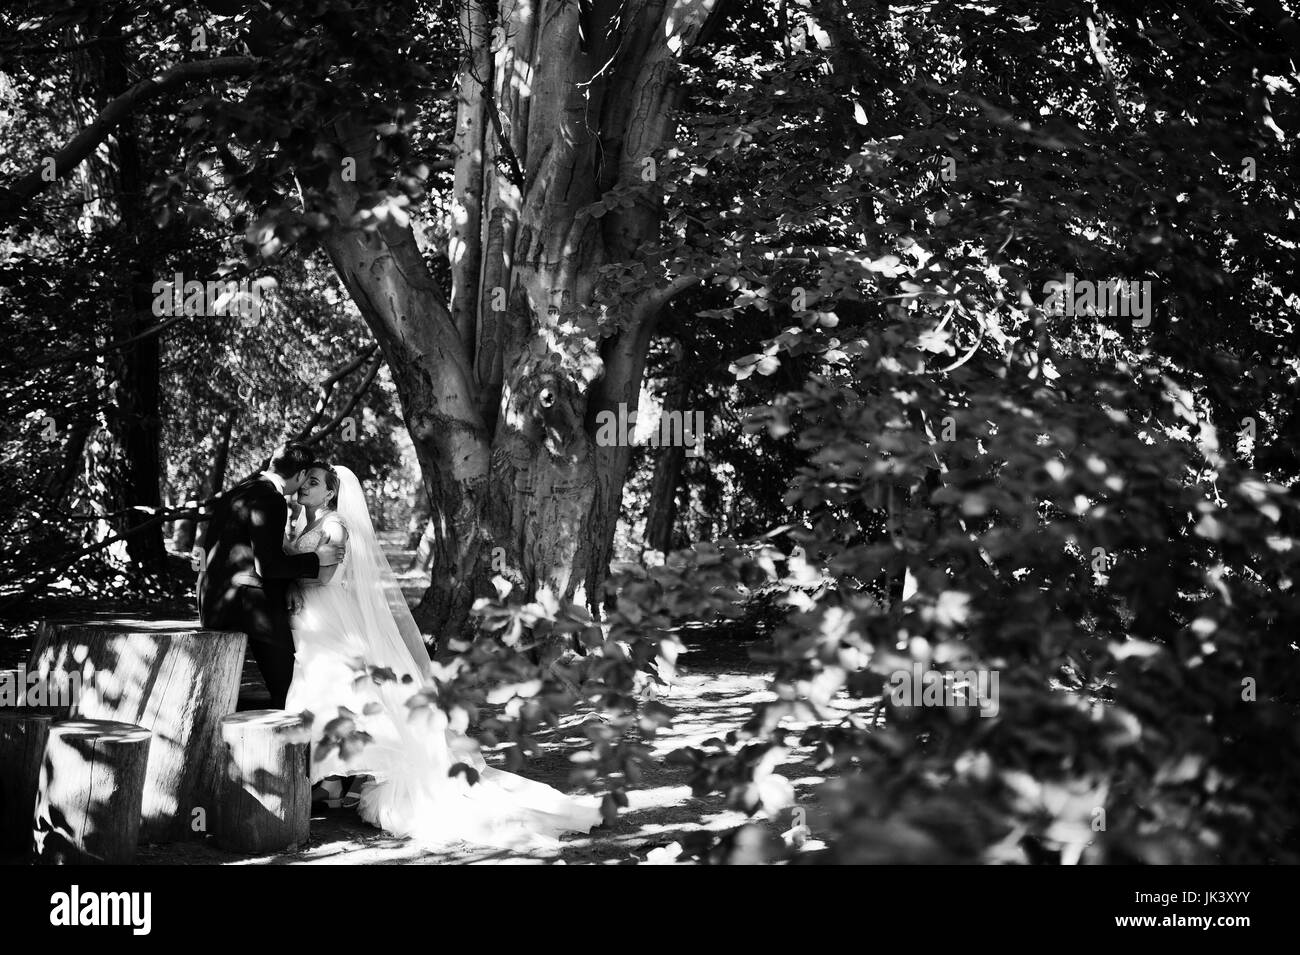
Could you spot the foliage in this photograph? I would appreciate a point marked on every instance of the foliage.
(1094, 508)
(971, 455)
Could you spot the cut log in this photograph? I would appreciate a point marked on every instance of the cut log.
(264, 802)
(90, 792)
(172, 678)
(22, 748)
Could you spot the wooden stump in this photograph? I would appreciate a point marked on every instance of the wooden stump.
(172, 678)
(91, 787)
(22, 748)
(264, 802)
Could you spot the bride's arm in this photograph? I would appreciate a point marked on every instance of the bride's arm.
(334, 532)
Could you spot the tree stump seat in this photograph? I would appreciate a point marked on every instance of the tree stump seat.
(171, 677)
(88, 798)
(23, 737)
(263, 801)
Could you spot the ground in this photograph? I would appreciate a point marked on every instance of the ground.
(717, 688)
(714, 695)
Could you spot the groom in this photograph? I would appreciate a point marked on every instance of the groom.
(244, 583)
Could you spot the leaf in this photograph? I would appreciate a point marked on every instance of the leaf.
(952, 608)
(499, 695)
(464, 769)
(1134, 648)
(887, 265)
(353, 745)
(742, 368)
(340, 726)
(934, 341)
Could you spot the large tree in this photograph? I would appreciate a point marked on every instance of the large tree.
(539, 316)
(557, 106)
(1094, 510)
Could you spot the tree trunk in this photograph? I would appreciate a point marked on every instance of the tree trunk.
(131, 466)
(425, 542)
(183, 535)
(62, 479)
(661, 509)
(501, 380)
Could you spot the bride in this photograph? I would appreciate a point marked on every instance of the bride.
(353, 621)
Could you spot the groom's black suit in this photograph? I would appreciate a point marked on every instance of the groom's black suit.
(245, 583)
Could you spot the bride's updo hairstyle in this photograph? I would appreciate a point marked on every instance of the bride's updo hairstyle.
(331, 480)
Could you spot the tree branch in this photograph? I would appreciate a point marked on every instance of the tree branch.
(1097, 43)
(90, 352)
(350, 406)
(58, 567)
(25, 188)
(327, 388)
(656, 298)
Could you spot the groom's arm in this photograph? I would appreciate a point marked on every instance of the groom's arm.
(266, 519)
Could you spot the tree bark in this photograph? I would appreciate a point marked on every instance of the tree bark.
(23, 737)
(131, 467)
(61, 481)
(183, 535)
(89, 795)
(263, 801)
(500, 382)
(661, 509)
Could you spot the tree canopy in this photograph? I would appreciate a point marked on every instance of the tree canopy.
(990, 311)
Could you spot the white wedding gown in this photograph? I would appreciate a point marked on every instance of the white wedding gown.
(338, 633)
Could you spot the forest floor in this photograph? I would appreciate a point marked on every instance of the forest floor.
(716, 690)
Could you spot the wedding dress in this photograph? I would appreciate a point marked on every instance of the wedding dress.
(359, 620)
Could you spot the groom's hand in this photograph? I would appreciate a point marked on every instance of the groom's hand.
(330, 554)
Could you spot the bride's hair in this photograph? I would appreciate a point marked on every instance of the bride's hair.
(331, 479)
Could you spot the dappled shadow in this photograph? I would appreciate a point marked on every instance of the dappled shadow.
(149, 672)
(718, 687)
(89, 793)
(263, 798)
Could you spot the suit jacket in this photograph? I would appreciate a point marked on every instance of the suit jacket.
(245, 542)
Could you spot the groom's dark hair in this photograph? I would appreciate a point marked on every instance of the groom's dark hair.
(291, 459)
